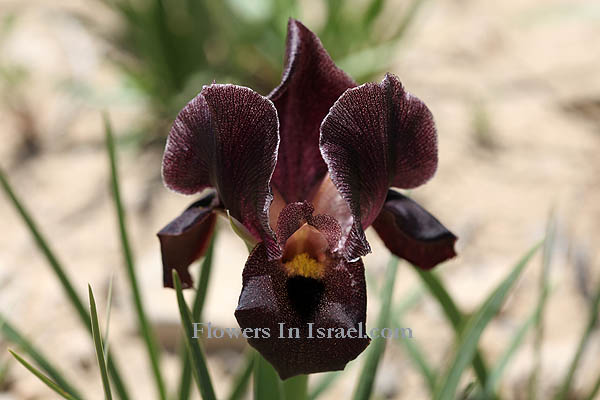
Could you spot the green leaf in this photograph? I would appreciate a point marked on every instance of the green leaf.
(199, 369)
(242, 378)
(408, 18)
(591, 324)
(544, 287)
(64, 280)
(186, 368)
(13, 335)
(52, 385)
(367, 377)
(267, 385)
(453, 314)
(296, 388)
(97, 336)
(474, 326)
(42, 244)
(108, 311)
(595, 390)
(412, 348)
(372, 12)
(144, 326)
(517, 340)
(4, 368)
(417, 357)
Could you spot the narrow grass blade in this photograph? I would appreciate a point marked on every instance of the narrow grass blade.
(144, 326)
(474, 327)
(412, 348)
(517, 340)
(296, 388)
(376, 348)
(242, 378)
(64, 280)
(108, 310)
(591, 324)
(13, 335)
(186, 370)
(544, 287)
(98, 345)
(197, 356)
(417, 357)
(372, 12)
(267, 385)
(408, 19)
(595, 390)
(42, 244)
(453, 314)
(4, 368)
(203, 280)
(324, 384)
(52, 385)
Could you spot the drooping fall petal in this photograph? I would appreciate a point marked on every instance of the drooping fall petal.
(337, 301)
(374, 137)
(410, 232)
(310, 85)
(185, 239)
(227, 138)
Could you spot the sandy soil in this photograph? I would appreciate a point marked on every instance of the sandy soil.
(515, 89)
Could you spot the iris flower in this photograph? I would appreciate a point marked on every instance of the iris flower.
(301, 173)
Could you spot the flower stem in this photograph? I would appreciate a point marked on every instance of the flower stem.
(267, 385)
(296, 388)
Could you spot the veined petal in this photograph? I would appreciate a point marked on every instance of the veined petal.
(227, 138)
(410, 232)
(376, 136)
(307, 306)
(310, 85)
(186, 238)
(189, 154)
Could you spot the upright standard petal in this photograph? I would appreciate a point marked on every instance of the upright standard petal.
(186, 238)
(310, 85)
(227, 138)
(303, 325)
(374, 137)
(410, 232)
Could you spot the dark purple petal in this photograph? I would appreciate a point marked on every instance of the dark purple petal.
(410, 232)
(329, 228)
(270, 297)
(189, 153)
(291, 218)
(310, 85)
(227, 138)
(185, 239)
(374, 137)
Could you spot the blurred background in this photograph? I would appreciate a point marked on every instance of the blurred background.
(515, 90)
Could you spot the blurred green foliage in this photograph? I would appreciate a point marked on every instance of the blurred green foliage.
(170, 48)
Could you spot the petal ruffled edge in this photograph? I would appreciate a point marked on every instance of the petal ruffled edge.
(376, 136)
(186, 238)
(412, 233)
(189, 151)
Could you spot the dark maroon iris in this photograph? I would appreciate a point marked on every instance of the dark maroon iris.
(302, 173)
